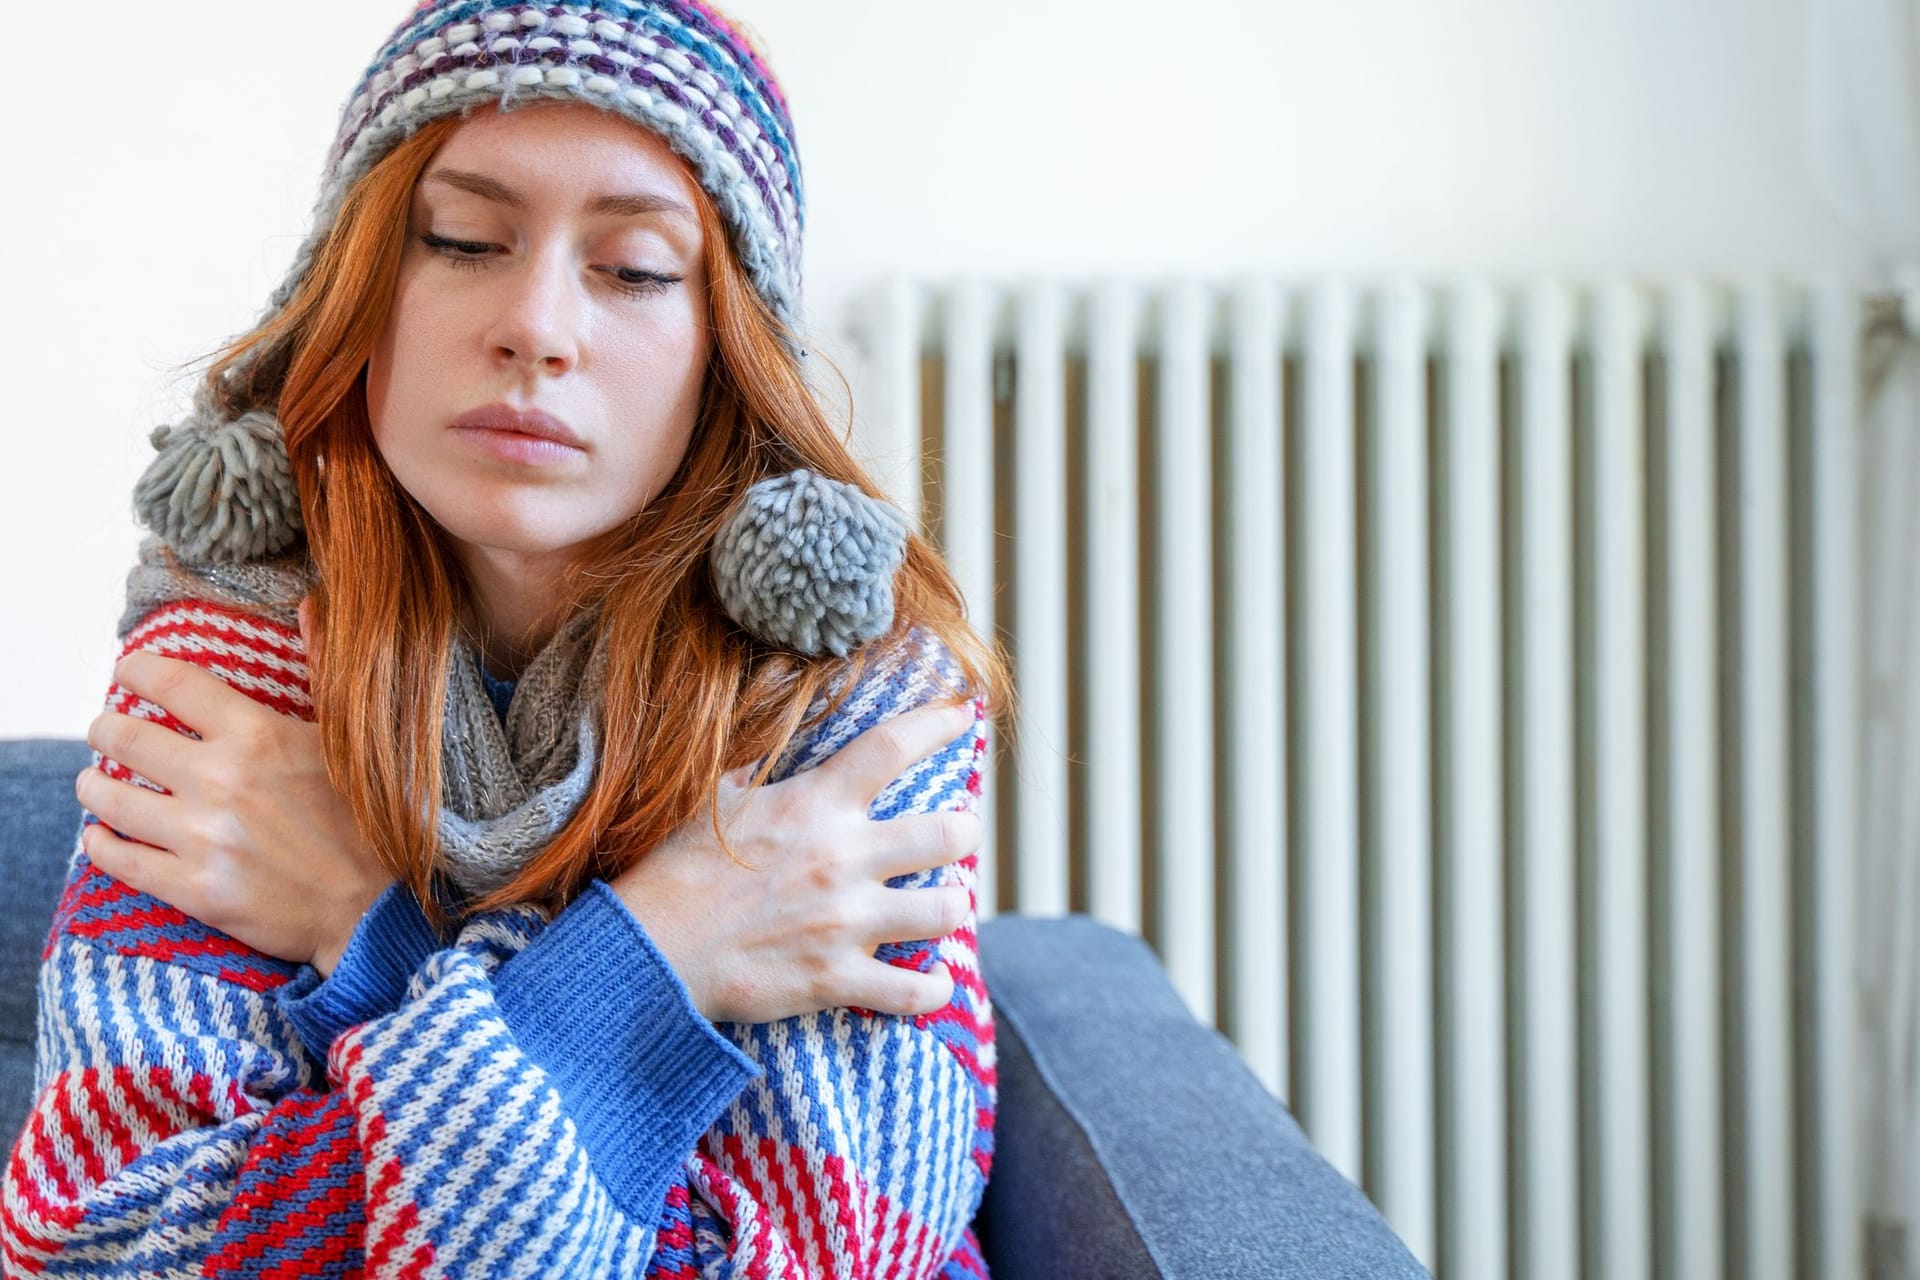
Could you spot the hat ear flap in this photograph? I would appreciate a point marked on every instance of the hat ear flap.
(221, 489)
(806, 563)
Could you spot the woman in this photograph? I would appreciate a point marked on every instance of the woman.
(517, 493)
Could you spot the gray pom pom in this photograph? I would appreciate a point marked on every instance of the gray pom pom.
(220, 490)
(807, 563)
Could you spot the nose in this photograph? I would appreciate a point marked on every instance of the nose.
(537, 318)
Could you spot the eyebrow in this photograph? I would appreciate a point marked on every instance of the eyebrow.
(626, 205)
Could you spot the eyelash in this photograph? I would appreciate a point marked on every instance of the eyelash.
(456, 255)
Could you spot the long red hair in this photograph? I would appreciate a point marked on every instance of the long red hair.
(689, 696)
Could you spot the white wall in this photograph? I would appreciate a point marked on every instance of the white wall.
(152, 201)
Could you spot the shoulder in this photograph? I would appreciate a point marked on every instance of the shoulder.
(893, 677)
(239, 621)
(112, 922)
(256, 654)
(260, 656)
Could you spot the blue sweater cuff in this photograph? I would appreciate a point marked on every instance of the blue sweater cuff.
(643, 1073)
(388, 946)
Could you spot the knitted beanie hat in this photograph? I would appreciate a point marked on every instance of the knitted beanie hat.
(805, 562)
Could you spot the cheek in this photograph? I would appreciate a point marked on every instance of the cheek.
(401, 366)
(664, 379)
(380, 378)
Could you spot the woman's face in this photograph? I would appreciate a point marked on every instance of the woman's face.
(553, 266)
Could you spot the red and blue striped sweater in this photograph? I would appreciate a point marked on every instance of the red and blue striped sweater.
(537, 1098)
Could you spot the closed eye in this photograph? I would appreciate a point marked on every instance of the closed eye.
(459, 252)
(471, 255)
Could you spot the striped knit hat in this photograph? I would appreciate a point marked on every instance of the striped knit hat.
(678, 67)
(805, 562)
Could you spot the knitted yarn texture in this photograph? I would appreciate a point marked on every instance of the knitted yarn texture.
(270, 588)
(508, 788)
(221, 490)
(810, 560)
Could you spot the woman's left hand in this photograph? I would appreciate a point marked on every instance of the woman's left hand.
(253, 840)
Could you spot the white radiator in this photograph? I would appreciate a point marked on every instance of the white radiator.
(1457, 687)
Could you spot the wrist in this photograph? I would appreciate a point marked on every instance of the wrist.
(327, 957)
(657, 918)
(343, 924)
(388, 947)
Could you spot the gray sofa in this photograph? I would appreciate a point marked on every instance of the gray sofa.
(1130, 1140)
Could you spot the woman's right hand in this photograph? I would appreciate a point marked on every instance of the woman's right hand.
(796, 931)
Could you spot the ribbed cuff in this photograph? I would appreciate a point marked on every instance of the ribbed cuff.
(391, 942)
(643, 1073)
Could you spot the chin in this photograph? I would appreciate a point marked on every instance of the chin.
(548, 526)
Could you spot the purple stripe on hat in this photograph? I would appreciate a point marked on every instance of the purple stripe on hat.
(445, 64)
(753, 84)
(720, 58)
(697, 29)
(692, 31)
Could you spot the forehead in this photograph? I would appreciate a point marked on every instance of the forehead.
(569, 147)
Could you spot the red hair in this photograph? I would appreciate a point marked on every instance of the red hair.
(697, 696)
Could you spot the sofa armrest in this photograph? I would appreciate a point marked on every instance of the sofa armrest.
(39, 822)
(1131, 1140)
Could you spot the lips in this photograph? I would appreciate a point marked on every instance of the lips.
(526, 422)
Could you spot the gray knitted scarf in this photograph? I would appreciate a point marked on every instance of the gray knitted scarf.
(506, 791)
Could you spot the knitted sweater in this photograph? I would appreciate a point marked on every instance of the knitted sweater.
(533, 1098)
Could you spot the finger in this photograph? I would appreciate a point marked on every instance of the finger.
(887, 988)
(306, 624)
(921, 841)
(922, 915)
(862, 769)
(149, 749)
(194, 695)
(128, 808)
(154, 872)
